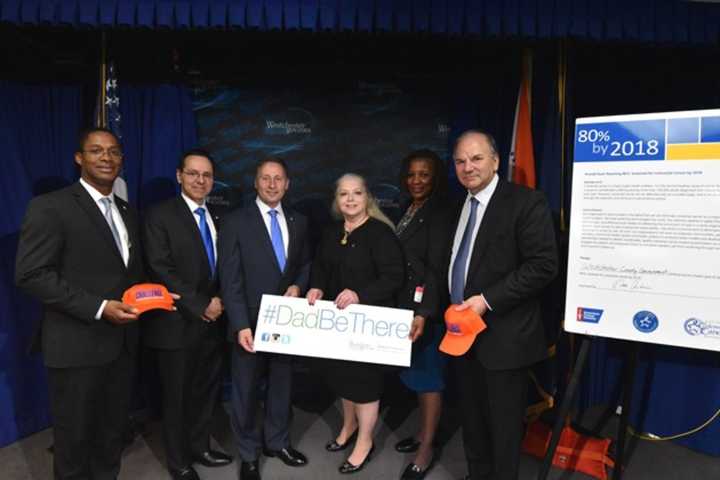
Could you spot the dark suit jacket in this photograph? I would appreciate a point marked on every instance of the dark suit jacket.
(68, 260)
(514, 257)
(424, 242)
(176, 258)
(248, 267)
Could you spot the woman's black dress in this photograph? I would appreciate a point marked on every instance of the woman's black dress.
(370, 264)
(425, 241)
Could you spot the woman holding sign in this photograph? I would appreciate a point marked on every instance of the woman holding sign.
(423, 231)
(359, 260)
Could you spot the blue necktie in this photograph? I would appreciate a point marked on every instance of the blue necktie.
(457, 286)
(277, 240)
(207, 239)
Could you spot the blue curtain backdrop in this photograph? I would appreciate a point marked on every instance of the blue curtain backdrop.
(158, 124)
(661, 21)
(38, 132)
(38, 127)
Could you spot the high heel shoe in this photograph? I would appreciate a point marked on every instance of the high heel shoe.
(415, 472)
(348, 467)
(334, 446)
(407, 445)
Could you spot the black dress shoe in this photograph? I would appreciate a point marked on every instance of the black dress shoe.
(334, 446)
(348, 467)
(249, 471)
(407, 445)
(289, 456)
(415, 472)
(187, 473)
(212, 458)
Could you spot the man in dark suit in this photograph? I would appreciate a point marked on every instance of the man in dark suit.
(78, 252)
(503, 255)
(263, 249)
(180, 241)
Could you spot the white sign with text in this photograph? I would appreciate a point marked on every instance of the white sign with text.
(644, 260)
(360, 333)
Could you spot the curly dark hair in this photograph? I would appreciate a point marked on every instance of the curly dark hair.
(439, 179)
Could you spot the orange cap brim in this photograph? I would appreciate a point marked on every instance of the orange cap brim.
(456, 345)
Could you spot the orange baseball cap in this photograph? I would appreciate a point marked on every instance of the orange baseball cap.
(148, 296)
(462, 328)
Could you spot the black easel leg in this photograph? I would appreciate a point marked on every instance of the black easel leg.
(565, 407)
(631, 356)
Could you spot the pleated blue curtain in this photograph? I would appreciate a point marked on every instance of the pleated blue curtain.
(158, 125)
(38, 129)
(660, 21)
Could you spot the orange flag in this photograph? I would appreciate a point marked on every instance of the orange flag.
(522, 160)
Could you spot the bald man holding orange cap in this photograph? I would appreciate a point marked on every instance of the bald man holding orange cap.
(503, 255)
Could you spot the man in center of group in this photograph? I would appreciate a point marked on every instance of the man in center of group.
(263, 248)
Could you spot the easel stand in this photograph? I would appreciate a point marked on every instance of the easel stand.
(629, 364)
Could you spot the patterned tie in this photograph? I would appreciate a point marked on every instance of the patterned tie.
(111, 223)
(277, 240)
(457, 287)
(207, 239)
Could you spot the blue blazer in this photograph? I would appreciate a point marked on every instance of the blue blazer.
(247, 266)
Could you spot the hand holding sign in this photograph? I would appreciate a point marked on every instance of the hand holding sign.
(362, 333)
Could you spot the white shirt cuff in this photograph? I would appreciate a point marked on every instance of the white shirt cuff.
(486, 302)
(98, 315)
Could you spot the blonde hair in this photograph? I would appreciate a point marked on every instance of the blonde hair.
(373, 209)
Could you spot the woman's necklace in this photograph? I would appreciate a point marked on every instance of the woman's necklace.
(347, 232)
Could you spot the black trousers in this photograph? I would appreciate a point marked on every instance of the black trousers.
(90, 407)
(190, 379)
(492, 404)
(248, 372)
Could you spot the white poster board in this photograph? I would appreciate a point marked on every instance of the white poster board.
(361, 333)
(644, 251)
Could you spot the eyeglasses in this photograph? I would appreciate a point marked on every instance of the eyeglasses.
(193, 175)
(111, 152)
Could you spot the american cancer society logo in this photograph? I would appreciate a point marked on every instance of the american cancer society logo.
(645, 321)
(696, 327)
(589, 315)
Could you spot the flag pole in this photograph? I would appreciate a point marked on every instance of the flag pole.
(525, 83)
(101, 114)
(562, 111)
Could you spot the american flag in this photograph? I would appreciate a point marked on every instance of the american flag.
(110, 94)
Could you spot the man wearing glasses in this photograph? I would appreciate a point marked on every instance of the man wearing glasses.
(78, 252)
(180, 240)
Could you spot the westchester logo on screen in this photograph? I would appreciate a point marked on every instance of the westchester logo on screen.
(324, 319)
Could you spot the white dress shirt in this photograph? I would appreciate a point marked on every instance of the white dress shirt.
(119, 224)
(483, 198)
(264, 209)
